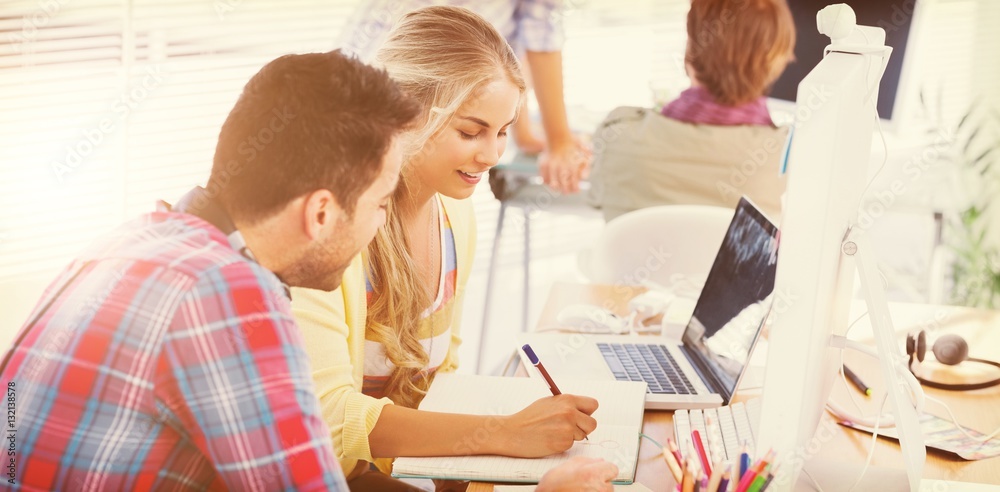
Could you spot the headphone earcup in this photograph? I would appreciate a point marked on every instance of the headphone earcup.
(951, 349)
(916, 345)
(921, 345)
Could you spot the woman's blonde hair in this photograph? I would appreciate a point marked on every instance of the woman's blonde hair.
(442, 57)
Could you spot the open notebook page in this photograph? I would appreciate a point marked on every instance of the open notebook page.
(616, 439)
(635, 487)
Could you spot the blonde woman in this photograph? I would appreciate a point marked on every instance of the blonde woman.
(376, 343)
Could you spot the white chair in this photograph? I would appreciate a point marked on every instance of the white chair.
(669, 247)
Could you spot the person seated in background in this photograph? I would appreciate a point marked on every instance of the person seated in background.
(378, 341)
(166, 357)
(716, 141)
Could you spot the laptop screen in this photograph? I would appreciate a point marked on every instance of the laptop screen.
(736, 297)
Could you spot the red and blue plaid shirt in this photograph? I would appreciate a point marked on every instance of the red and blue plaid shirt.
(168, 362)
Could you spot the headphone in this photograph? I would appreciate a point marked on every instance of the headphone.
(949, 350)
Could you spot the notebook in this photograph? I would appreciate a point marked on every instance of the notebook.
(635, 487)
(616, 439)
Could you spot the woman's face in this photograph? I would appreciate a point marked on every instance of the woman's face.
(454, 160)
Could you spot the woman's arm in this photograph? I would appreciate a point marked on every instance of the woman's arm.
(547, 426)
(401, 431)
(566, 159)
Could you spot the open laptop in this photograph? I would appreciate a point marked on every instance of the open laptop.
(704, 369)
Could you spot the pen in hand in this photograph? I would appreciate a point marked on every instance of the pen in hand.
(538, 364)
(545, 374)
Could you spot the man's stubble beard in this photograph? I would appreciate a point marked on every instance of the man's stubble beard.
(322, 266)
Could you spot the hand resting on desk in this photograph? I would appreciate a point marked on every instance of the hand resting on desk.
(548, 426)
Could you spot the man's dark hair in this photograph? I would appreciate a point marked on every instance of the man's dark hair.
(304, 123)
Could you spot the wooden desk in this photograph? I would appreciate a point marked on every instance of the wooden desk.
(976, 409)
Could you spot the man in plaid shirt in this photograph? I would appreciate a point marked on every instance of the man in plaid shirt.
(165, 357)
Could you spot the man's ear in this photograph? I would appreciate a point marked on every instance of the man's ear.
(320, 212)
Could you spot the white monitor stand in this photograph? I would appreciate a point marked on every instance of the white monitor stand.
(828, 168)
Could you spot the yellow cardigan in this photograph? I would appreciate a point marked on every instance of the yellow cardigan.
(333, 326)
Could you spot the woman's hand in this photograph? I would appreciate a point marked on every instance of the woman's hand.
(579, 475)
(548, 426)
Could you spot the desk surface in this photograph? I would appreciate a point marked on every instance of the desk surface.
(975, 409)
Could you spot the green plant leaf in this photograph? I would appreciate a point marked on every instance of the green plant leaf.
(983, 155)
(965, 117)
(971, 139)
(975, 271)
(939, 103)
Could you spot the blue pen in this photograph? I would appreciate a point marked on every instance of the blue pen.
(538, 364)
(545, 374)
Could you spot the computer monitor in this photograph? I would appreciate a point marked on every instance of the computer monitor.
(827, 168)
(896, 17)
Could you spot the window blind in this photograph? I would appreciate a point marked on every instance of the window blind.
(61, 64)
(110, 105)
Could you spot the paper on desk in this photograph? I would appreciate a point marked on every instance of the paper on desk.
(942, 435)
(635, 487)
(616, 439)
(928, 485)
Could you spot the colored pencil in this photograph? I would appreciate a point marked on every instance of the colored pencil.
(757, 483)
(699, 446)
(675, 450)
(724, 484)
(744, 462)
(770, 476)
(687, 483)
(674, 465)
(717, 470)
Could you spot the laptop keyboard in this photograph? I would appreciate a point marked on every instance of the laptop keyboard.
(646, 362)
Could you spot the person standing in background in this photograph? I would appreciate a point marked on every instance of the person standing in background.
(533, 28)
